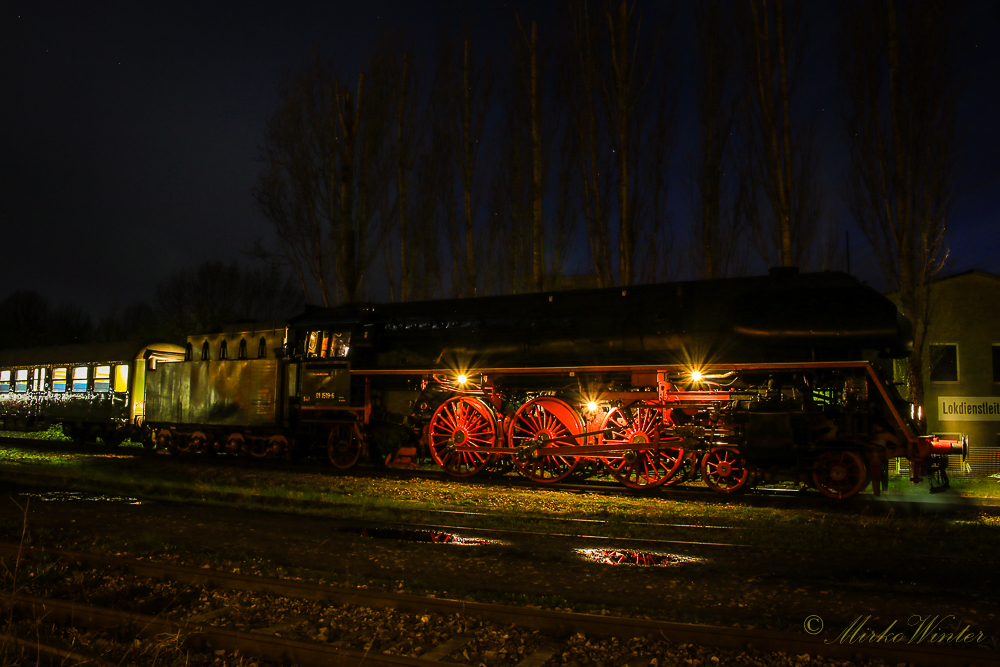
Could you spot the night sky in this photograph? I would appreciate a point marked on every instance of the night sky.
(130, 132)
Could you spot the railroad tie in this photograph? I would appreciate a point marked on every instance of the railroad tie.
(208, 615)
(442, 651)
(539, 657)
(639, 661)
(279, 627)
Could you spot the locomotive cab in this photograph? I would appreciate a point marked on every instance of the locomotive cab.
(325, 368)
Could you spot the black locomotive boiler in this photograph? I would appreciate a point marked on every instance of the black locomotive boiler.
(775, 377)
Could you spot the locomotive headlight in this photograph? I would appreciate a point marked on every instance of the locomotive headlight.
(696, 376)
(592, 406)
(462, 378)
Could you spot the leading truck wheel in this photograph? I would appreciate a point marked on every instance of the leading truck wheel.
(724, 470)
(541, 424)
(839, 474)
(462, 421)
(343, 446)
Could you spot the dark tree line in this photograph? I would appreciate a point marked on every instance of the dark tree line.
(458, 174)
(188, 302)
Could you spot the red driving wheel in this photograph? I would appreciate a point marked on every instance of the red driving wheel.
(540, 424)
(640, 468)
(462, 421)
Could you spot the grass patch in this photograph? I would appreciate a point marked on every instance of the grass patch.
(54, 432)
(382, 499)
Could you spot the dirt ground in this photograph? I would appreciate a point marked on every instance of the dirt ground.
(745, 587)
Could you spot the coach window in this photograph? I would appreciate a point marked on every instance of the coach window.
(944, 363)
(79, 379)
(59, 380)
(102, 378)
(21, 384)
(121, 378)
(4, 382)
(38, 379)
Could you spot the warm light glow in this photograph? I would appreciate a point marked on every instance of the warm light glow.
(592, 406)
(696, 376)
(462, 379)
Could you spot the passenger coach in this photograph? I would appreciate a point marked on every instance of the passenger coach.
(93, 390)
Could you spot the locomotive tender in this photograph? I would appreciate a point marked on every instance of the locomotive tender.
(777, 377)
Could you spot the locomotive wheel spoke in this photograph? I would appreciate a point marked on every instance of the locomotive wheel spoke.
(840, 474)
(343, 446)
(639, 468)
(462, 421)
(545, 419)
(724, 470)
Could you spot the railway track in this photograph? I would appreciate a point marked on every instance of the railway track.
(555, 633)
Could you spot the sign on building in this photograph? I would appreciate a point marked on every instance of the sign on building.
(969, 408)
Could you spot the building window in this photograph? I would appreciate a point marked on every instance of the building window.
(80, 379)
(38, 379)
(4, 382)
(121, 378)
(21, 384)
(944, 363)
(996, 363)
(59, 380)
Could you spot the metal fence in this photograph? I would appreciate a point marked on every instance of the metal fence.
(982, 462)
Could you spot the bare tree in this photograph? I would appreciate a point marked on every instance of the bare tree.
(462, 91)
(779, 155)
(326, 168)
(717, 220)
(405, 91)
(619, 120)
(897, 65)
(289, 191)
(529, 193)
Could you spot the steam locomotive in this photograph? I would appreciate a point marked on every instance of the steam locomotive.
(777, 377)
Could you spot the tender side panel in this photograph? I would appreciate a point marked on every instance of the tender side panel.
(222, 393)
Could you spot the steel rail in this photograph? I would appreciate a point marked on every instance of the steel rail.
(558, 623)
(56, 655)
(205, 637)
